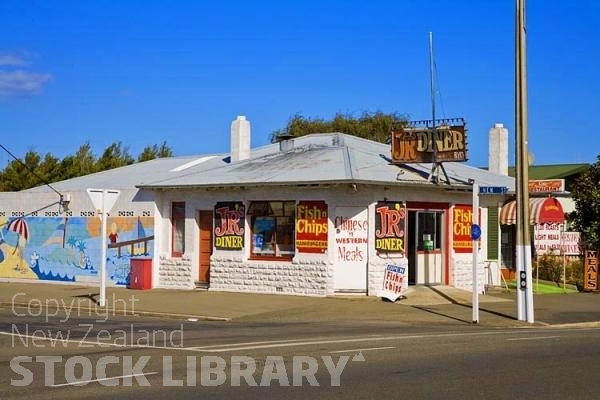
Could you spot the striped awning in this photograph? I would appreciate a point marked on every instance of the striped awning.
(542, 210)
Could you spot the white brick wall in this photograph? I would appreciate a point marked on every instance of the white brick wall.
(462, 275)
(175, 273)
(303, 276)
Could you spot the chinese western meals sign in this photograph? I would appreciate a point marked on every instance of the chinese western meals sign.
(311, 226)
(229, 225)
(390, 227)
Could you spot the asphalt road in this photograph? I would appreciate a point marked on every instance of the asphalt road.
(254, 360)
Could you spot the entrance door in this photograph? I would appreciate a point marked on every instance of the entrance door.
(351, 246)
(205, 223)
(426, 247)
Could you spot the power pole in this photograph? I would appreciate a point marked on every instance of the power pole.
(523, 248)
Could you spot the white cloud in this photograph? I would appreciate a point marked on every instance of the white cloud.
(15, 84)
(12, 60)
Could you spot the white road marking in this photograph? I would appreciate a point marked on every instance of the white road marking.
(230, 347)
(361, 350)
(112, 378)
(534, 338)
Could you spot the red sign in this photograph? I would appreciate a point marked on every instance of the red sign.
(311, 226)
(462, 219)
(229, 226)
(546, 185)
(390, 227)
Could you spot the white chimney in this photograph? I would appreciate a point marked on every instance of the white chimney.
(240, 139)
(498, 150)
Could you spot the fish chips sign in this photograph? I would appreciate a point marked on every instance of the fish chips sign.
(311, 226)
(415, 145)
(395, 282)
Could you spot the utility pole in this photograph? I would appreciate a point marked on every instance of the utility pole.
(523, 247)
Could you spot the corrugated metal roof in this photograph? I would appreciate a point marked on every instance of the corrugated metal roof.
(314, 159)
(325, 158)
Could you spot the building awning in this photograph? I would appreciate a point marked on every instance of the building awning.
(542, 210)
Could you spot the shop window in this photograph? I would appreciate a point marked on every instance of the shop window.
(429, 230)
(178, 229)
(272, 226)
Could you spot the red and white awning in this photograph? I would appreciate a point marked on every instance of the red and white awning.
(542, 210)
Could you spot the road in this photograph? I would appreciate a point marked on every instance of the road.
(155, 359)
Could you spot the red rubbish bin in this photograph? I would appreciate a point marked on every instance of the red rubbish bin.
(140, 276)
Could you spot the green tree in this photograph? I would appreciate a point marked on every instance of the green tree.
(82, 163)
(586, 217)
(152, 152)
(374, 126)
(114, 156)
(18, 176)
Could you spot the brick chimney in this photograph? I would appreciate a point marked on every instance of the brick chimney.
(240, 139)
(498, 150)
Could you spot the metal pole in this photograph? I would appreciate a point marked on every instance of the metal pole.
(523, 248)
(433, 128)
(475, 255)
(102, 300)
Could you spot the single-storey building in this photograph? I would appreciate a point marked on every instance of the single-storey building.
(313, 215)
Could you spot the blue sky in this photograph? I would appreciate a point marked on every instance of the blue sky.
(142, 72)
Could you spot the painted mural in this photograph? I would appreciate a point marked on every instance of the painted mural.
(68, 248)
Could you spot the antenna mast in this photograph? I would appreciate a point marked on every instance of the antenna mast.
(435, 163)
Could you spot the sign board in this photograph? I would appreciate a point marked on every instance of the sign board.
(570, 243)
(546, 185)
(493, 189)
(229, 226)
(590, 272)
(475, 232)
(390, 227)
(462, 219)
(110, 198)
(395, 282)
(546, 238)
(311, 227)
(415, 145)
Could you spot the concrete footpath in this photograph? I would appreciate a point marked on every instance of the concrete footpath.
(438, 305)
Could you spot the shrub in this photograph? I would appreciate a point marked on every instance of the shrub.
(551, 268)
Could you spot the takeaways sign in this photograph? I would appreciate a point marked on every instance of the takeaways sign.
(390, 227)
(311, 226)
(415, 145)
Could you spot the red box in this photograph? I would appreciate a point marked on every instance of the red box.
(140, 276)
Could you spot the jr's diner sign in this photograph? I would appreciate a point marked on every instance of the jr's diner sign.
(413, 145)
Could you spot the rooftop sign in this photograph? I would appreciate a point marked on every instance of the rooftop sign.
(416, 144)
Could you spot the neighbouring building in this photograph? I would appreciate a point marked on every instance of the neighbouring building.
(550, 203)
(314, 215)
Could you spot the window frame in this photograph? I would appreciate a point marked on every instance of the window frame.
(177, 220)
(273, 214)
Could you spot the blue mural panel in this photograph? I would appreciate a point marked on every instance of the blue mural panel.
(69, 248)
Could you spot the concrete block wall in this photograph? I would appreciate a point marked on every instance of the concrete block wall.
(462, 275)
(307, 276)
(175, 273)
